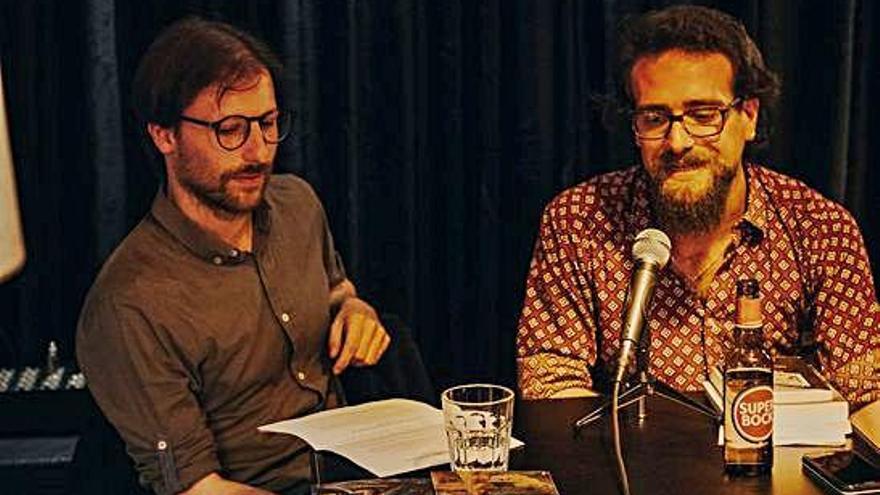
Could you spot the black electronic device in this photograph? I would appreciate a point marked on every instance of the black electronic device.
(845, 471)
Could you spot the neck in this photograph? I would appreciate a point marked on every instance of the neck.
(734, 209)
(698, 255)
(233, 228)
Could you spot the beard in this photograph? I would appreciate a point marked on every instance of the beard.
(690, 215)
(195, 177)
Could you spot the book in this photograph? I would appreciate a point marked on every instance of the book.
(795, 381)
(378, 486)
(493, 483)
(807, 410)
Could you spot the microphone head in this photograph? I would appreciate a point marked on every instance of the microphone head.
(652, 246)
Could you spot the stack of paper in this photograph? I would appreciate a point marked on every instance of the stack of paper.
(807, 410)
(387, 437)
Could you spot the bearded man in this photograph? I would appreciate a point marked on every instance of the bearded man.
(227, 307)
(696, 83)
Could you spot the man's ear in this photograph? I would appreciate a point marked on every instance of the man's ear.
(750, 109)
(164, 138)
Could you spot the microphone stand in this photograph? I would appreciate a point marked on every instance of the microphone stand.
(643, 386)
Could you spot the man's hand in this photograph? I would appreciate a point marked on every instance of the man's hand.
(357, 337)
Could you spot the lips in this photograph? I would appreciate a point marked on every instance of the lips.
(247, 176)
(676, 166)
(669, 172)
(251, 174)
(246, 180)
(673, 167)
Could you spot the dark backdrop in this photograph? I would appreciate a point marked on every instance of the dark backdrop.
(434, 130)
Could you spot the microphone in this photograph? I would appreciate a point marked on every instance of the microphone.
(650, 252)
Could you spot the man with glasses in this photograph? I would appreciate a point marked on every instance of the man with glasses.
(695, 83)
(227, 307)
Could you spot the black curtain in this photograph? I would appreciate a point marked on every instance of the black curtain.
(434, 131)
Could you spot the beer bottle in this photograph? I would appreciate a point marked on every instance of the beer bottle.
(748, 390)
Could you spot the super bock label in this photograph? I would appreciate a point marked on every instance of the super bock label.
(753, 413)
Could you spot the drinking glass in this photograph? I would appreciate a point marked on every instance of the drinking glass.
(478, 419)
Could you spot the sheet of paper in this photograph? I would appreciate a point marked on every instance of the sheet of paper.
(386, 437)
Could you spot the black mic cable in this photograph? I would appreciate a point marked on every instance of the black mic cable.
(615, 431)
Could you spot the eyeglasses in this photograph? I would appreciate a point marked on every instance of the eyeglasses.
(698, 122)
(233, 131)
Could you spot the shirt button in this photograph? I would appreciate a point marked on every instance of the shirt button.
(233, 253)
(161, 445)
(285, 317)
(217, 260)
(300, 375)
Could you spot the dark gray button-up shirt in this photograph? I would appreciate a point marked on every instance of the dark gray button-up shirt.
(189, 344)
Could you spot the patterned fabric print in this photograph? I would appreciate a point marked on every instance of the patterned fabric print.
(805, 251)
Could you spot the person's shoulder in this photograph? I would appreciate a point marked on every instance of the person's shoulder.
(140, 268)
(815, 217)
(790, 193)
(784, 186)
(289, 184)
(137, 283)
(602, 193)
(291, 191)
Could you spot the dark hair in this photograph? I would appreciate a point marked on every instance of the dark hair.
(187, 57)
(697, 29)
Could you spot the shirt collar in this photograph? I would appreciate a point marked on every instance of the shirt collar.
(204, 244)
(756, 216)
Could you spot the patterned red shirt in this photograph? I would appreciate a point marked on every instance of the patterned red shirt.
(805, 251)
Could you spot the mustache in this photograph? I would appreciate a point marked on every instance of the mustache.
(671, 160)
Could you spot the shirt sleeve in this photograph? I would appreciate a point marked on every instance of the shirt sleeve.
(847, 316)
(139, 379)
(556, 342)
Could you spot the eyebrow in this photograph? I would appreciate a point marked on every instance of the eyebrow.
(687, 105)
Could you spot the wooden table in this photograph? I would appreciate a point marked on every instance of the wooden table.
(674, 451)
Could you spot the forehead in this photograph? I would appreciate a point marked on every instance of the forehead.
(673, 78)
(251, 96)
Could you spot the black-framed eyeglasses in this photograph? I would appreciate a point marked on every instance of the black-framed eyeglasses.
(234, 130)
(699, 122)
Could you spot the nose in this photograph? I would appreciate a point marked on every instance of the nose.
(255, 148)
(678, 139)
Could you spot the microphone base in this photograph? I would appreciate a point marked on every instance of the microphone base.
(637, 393)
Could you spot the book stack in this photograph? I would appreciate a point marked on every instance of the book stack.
(807, 410)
